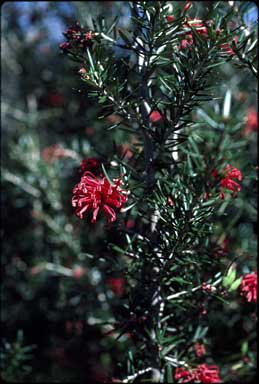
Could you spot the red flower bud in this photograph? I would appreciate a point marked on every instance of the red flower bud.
(187, 6)
(155, 116)
(170, 19)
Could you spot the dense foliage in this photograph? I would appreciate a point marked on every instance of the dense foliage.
(145, 129)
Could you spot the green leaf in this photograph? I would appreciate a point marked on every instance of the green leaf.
(167, 349)
(244, 348)
(169, 374)
(113, 25)
(229, 279)
(90, 60)
(125, 37)
(235, 285)
(106, 174)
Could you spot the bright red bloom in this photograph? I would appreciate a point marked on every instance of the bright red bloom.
(207, 374)
(183, 375)
(92, 193)
(227, 175)
(248, 287)
(200, 349)
(117, 285)
(89, 164)
(155, 116)
(230, 184)
(232, 173)
(202, 374)
(251, 122)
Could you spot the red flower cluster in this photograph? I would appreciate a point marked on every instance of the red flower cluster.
(200, 349)
(92, 193)
(248, 287)
(251, 122)
(89, 164)
(117, 285)
(77, 37)
(202, 374)
(229, 173)
(199, 27)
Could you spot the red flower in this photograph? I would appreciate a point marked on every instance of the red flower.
(207, 374)
(185, 376)
(117, 285)
(78, 37)
(251, 122)
(198, 25)
(170, 19)
(226, 48)
(227, 175)
(200, 349)
(89, 164)
(248, 287)
(232, 173)
(92, 193)
(230, 184)
(202, 374)
(155, 116)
